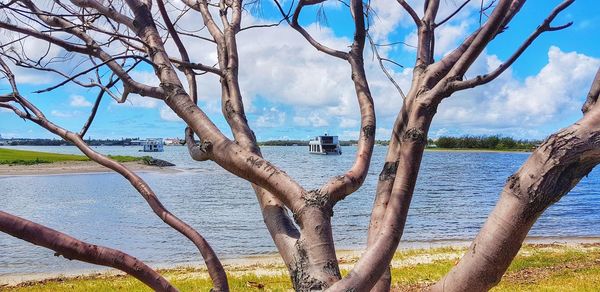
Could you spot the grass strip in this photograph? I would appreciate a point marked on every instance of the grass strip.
(26, 157)
(548, 267)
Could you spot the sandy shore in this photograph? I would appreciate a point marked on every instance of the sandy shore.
(272, 264)
(74, 167)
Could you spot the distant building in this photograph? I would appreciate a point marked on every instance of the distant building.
(325, 145)
(153, 145)
(172, 141)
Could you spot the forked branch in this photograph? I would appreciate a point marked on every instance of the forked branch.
(544, 27)
(316, 44)
(213, 264)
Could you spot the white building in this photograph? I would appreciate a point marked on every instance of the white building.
(172, 142)
(325, 145)
(153, 145)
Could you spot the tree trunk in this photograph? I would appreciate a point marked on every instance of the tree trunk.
(549, 173)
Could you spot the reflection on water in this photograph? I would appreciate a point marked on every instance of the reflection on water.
(455, 192)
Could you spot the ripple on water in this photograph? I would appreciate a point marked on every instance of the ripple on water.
(454, 193)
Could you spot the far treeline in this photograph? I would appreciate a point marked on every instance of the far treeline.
(445, 142)
(62, 142)
(482, 142)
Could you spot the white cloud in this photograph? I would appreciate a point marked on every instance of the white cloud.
(167, 114)
(79, 101)
(447, 37)
(386, 17)
(64, 114)
(270, 118)
(282, 68)
(135, 100)
(381, 133)
(557, 90)
(389, 16)
(270, 68)
(312, 120)
(349, 123)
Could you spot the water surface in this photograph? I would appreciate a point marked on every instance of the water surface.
(454, 194)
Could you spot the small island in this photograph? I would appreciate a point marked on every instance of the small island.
(19, 162)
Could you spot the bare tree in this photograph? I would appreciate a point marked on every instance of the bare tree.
(115, 37)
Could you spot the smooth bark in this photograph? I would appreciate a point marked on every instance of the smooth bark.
(72, 248)
(551, 171)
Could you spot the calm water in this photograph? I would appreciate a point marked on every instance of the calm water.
(455, 192)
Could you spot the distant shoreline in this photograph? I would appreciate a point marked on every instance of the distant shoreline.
(434, 149)
(83, 167)
(477, 150)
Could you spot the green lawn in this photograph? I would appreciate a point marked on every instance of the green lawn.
(479, 149)
(536, 268)
(24, 157)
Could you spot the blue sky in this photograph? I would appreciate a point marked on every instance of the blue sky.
(291, 91)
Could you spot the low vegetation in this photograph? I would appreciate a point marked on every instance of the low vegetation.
(483, 142)
(495, 142)
(538, 267)
(25, 157)
(61, 142)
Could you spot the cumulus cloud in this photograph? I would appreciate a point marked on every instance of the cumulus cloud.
(307, 88)
(135, 100)
(389, 16)
(64, 114)
(447, 37)
(349, 123)
(312, 120)
(79, 101)
(270, 118)
(166, 114)
(558, 89)
(386, 17)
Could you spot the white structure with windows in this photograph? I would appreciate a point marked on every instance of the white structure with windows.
(153, 145)
(325, 145)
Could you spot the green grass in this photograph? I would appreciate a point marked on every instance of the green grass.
(536, 268)
(25, 157)
(125, 158)
(479, 149)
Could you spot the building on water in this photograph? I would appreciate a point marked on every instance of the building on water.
(325, 145)
(153, 145)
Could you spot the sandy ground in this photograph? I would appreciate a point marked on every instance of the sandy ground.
(72, 167)
(272, 264)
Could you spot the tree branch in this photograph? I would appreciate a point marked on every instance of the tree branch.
(452, 14)
(385, 71)
(340, 187)
(197, 152)
(551, 171)
(592, 97)
(411, 12)
(295, 25)
(544, 27)
(72, 248)
(191, 77)
(213, 264)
